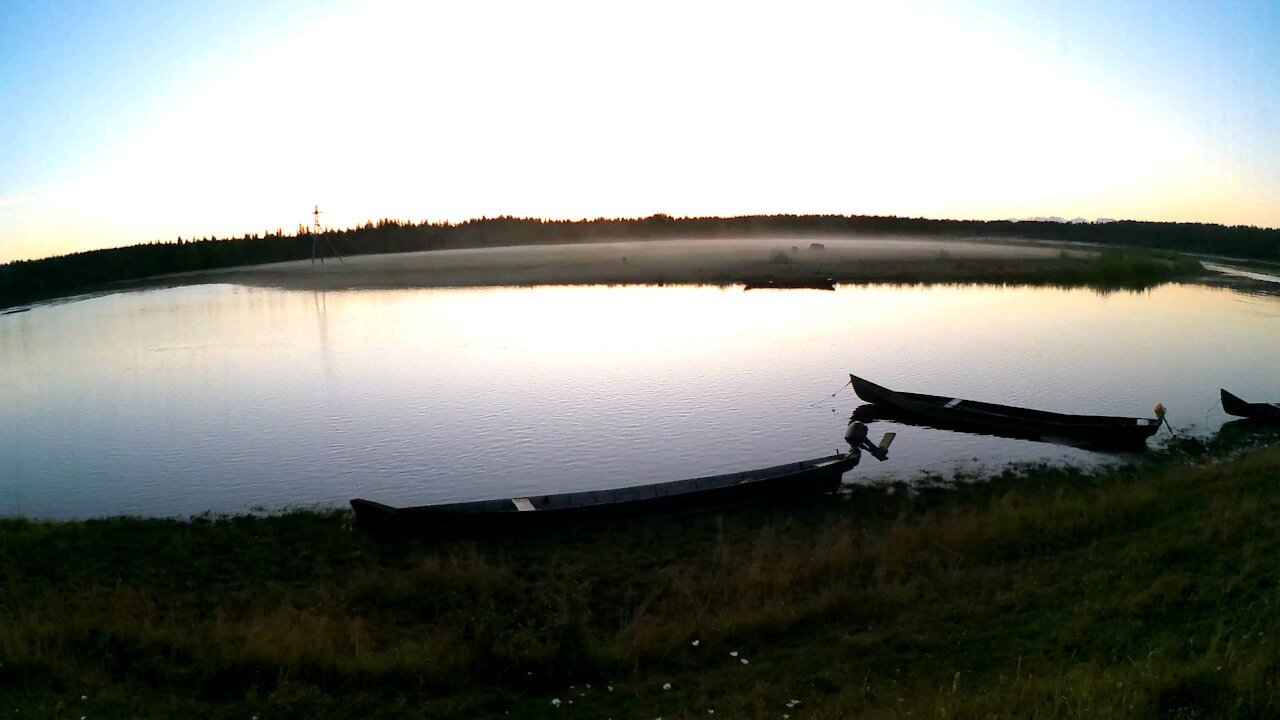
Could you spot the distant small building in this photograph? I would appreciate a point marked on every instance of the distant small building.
(817, 246)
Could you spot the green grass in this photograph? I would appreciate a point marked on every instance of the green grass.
(1139, 591)
(1128, 269)
(1108, 270)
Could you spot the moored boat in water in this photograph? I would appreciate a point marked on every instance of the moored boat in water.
(811, 477)
(947, 413)
(1233, 405)
(790, 284)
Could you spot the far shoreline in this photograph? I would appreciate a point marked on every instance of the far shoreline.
(653, 262)
(787, 262)
(159, 262)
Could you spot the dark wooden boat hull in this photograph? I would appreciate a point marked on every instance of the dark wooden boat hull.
(517, 515)
(1233, 405)
(1089, 431)
(790, 284)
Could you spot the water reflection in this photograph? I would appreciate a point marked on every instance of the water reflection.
(223, 397)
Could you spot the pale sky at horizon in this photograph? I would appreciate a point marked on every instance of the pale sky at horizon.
(141, 121)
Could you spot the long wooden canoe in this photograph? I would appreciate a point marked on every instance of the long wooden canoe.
(947, 413)
(1233, 405)
(513, 515)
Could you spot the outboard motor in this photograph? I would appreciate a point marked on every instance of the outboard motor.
(856, 436)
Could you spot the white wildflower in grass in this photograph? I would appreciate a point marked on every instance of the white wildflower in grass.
(695, 643)
(555, 701)
(746, 661)
(610, 688)
(733, 653)
(666, 686)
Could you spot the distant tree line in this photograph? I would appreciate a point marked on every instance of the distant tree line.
(28, 280)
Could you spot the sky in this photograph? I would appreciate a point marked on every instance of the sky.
(127, 122)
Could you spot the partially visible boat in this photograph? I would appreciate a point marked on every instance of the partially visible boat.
(790, 284)
(947, 413)
(816, 476)
(1233, 405)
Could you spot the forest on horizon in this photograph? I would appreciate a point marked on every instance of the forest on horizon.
(26, 281)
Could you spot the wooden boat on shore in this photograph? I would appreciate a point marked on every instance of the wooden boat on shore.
(539, 512)
(1269, 412)
(1091, 431)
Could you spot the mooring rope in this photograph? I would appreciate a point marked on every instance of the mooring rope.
(1204, 419)
(828, 397)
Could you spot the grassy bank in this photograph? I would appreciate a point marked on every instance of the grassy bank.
(1147, 591)
(1109, 269)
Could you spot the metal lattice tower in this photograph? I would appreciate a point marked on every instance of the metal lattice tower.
(315, 239)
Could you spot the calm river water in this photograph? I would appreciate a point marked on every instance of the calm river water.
(225, 398)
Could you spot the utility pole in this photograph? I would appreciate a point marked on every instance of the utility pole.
(315, 238)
